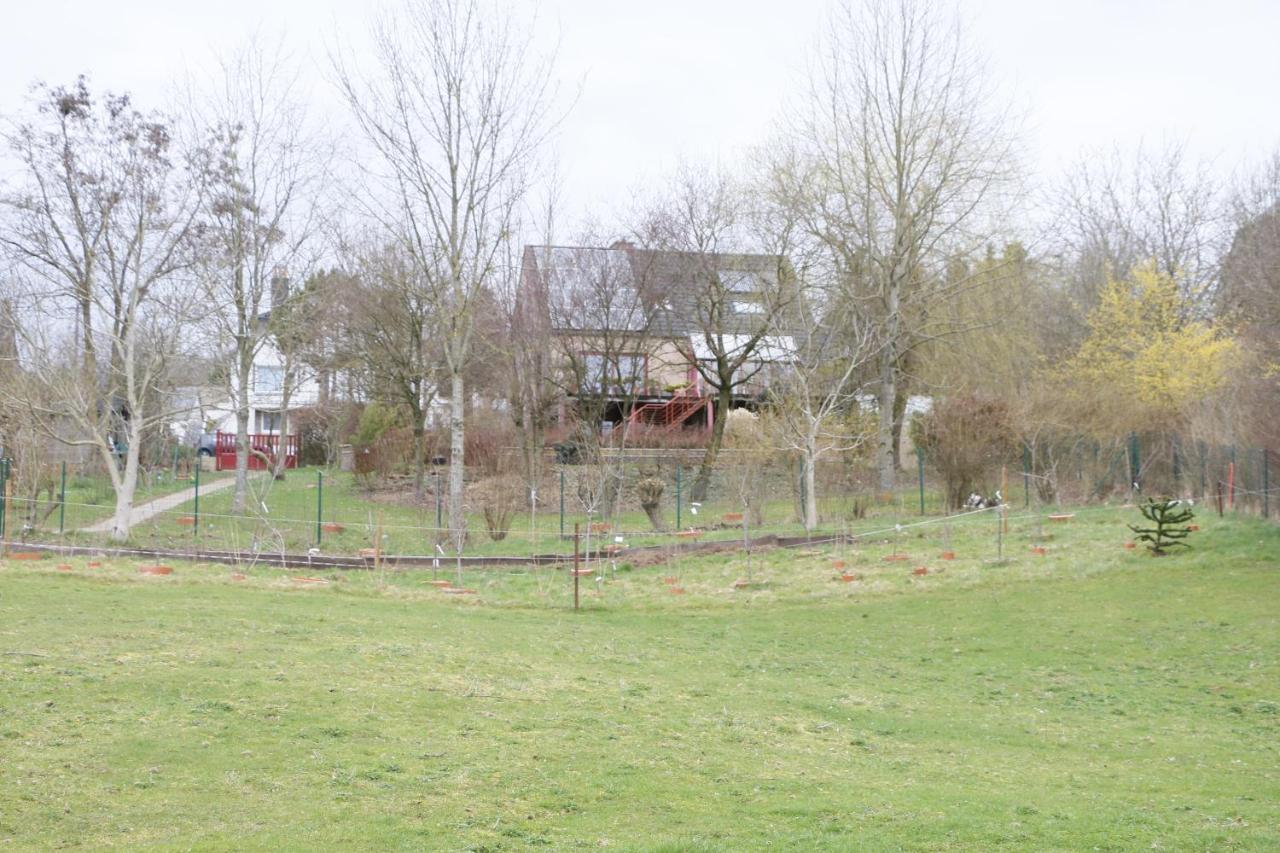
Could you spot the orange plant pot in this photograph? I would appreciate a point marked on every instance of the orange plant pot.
(237, 576)
(63, 567)
(670, 580)
(582, 573)
(27, 555)
(187, 520)
(688, 534)
(332, 527)
(732, 518)
(441, 584)
(1129, 546)
(93, 565)
(156, 570)
(1038, 550)
(837, 564)
(1193, 527)
(600, 527)
(896, 558)
(848, 578)
(677, 590)
(921, 570)
(741, 583)
(947, 555)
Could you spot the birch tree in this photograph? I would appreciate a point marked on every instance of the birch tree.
(455, 109)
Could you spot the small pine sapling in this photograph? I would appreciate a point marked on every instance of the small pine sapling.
(1170, 518)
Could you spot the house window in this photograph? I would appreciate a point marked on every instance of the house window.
(748, 308)
(267, 422)
(621, 374)
(268, 379)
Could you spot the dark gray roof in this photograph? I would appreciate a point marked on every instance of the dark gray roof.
(665, 293)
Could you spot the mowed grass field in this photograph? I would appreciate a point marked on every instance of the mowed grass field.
(1090, 697)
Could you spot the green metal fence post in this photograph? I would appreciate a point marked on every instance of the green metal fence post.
(439, 506)
(195, 509)
(1135, 462)
(1026, 476)
(1204, 453)
(62, 502)
(1177, 464)
(678, 470)
(319, 506)
(4, 492)
(1266, 485)
(920, 467)
(562, 503)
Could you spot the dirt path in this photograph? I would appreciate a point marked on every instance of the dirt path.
(147, 511)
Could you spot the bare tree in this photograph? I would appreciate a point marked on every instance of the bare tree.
(265, 172)
(1114, 211)
(102, 219)
(894, 156)
(393, 330)
(456, 111)
(818, 388)
(736, 302)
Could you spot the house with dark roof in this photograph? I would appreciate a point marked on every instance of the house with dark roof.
(636, 331)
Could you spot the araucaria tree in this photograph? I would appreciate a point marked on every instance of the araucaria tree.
(456, 110)
(100, 216)
(892, 159)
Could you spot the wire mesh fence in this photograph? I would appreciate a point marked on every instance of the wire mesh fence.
(623, 500)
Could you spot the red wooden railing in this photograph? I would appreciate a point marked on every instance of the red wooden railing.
(266, 444)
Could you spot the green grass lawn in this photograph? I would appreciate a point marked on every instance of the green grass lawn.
(1090, 697)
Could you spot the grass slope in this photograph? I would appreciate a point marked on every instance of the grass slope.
(1130, 704)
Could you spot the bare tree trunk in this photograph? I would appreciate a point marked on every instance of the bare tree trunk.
(126, 487)
(241, 488)
(286, 400)
(419, 458)
(724, 400)
(810, 484)
(901, 392)
(457, 460)
(884, 423)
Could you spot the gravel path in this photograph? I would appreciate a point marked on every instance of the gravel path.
(147, 511)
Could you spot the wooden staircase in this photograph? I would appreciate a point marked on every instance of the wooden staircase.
(682, 406)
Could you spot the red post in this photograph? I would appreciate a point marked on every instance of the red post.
(1231, 485)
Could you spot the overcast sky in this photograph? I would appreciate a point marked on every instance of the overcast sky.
(668, 79)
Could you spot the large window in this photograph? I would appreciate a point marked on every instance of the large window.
(268, 379)
(620, 374)
(267, 421)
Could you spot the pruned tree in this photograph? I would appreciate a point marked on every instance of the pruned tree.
(455, 110)
(102, 219)
(818, 388)
(893, 158)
